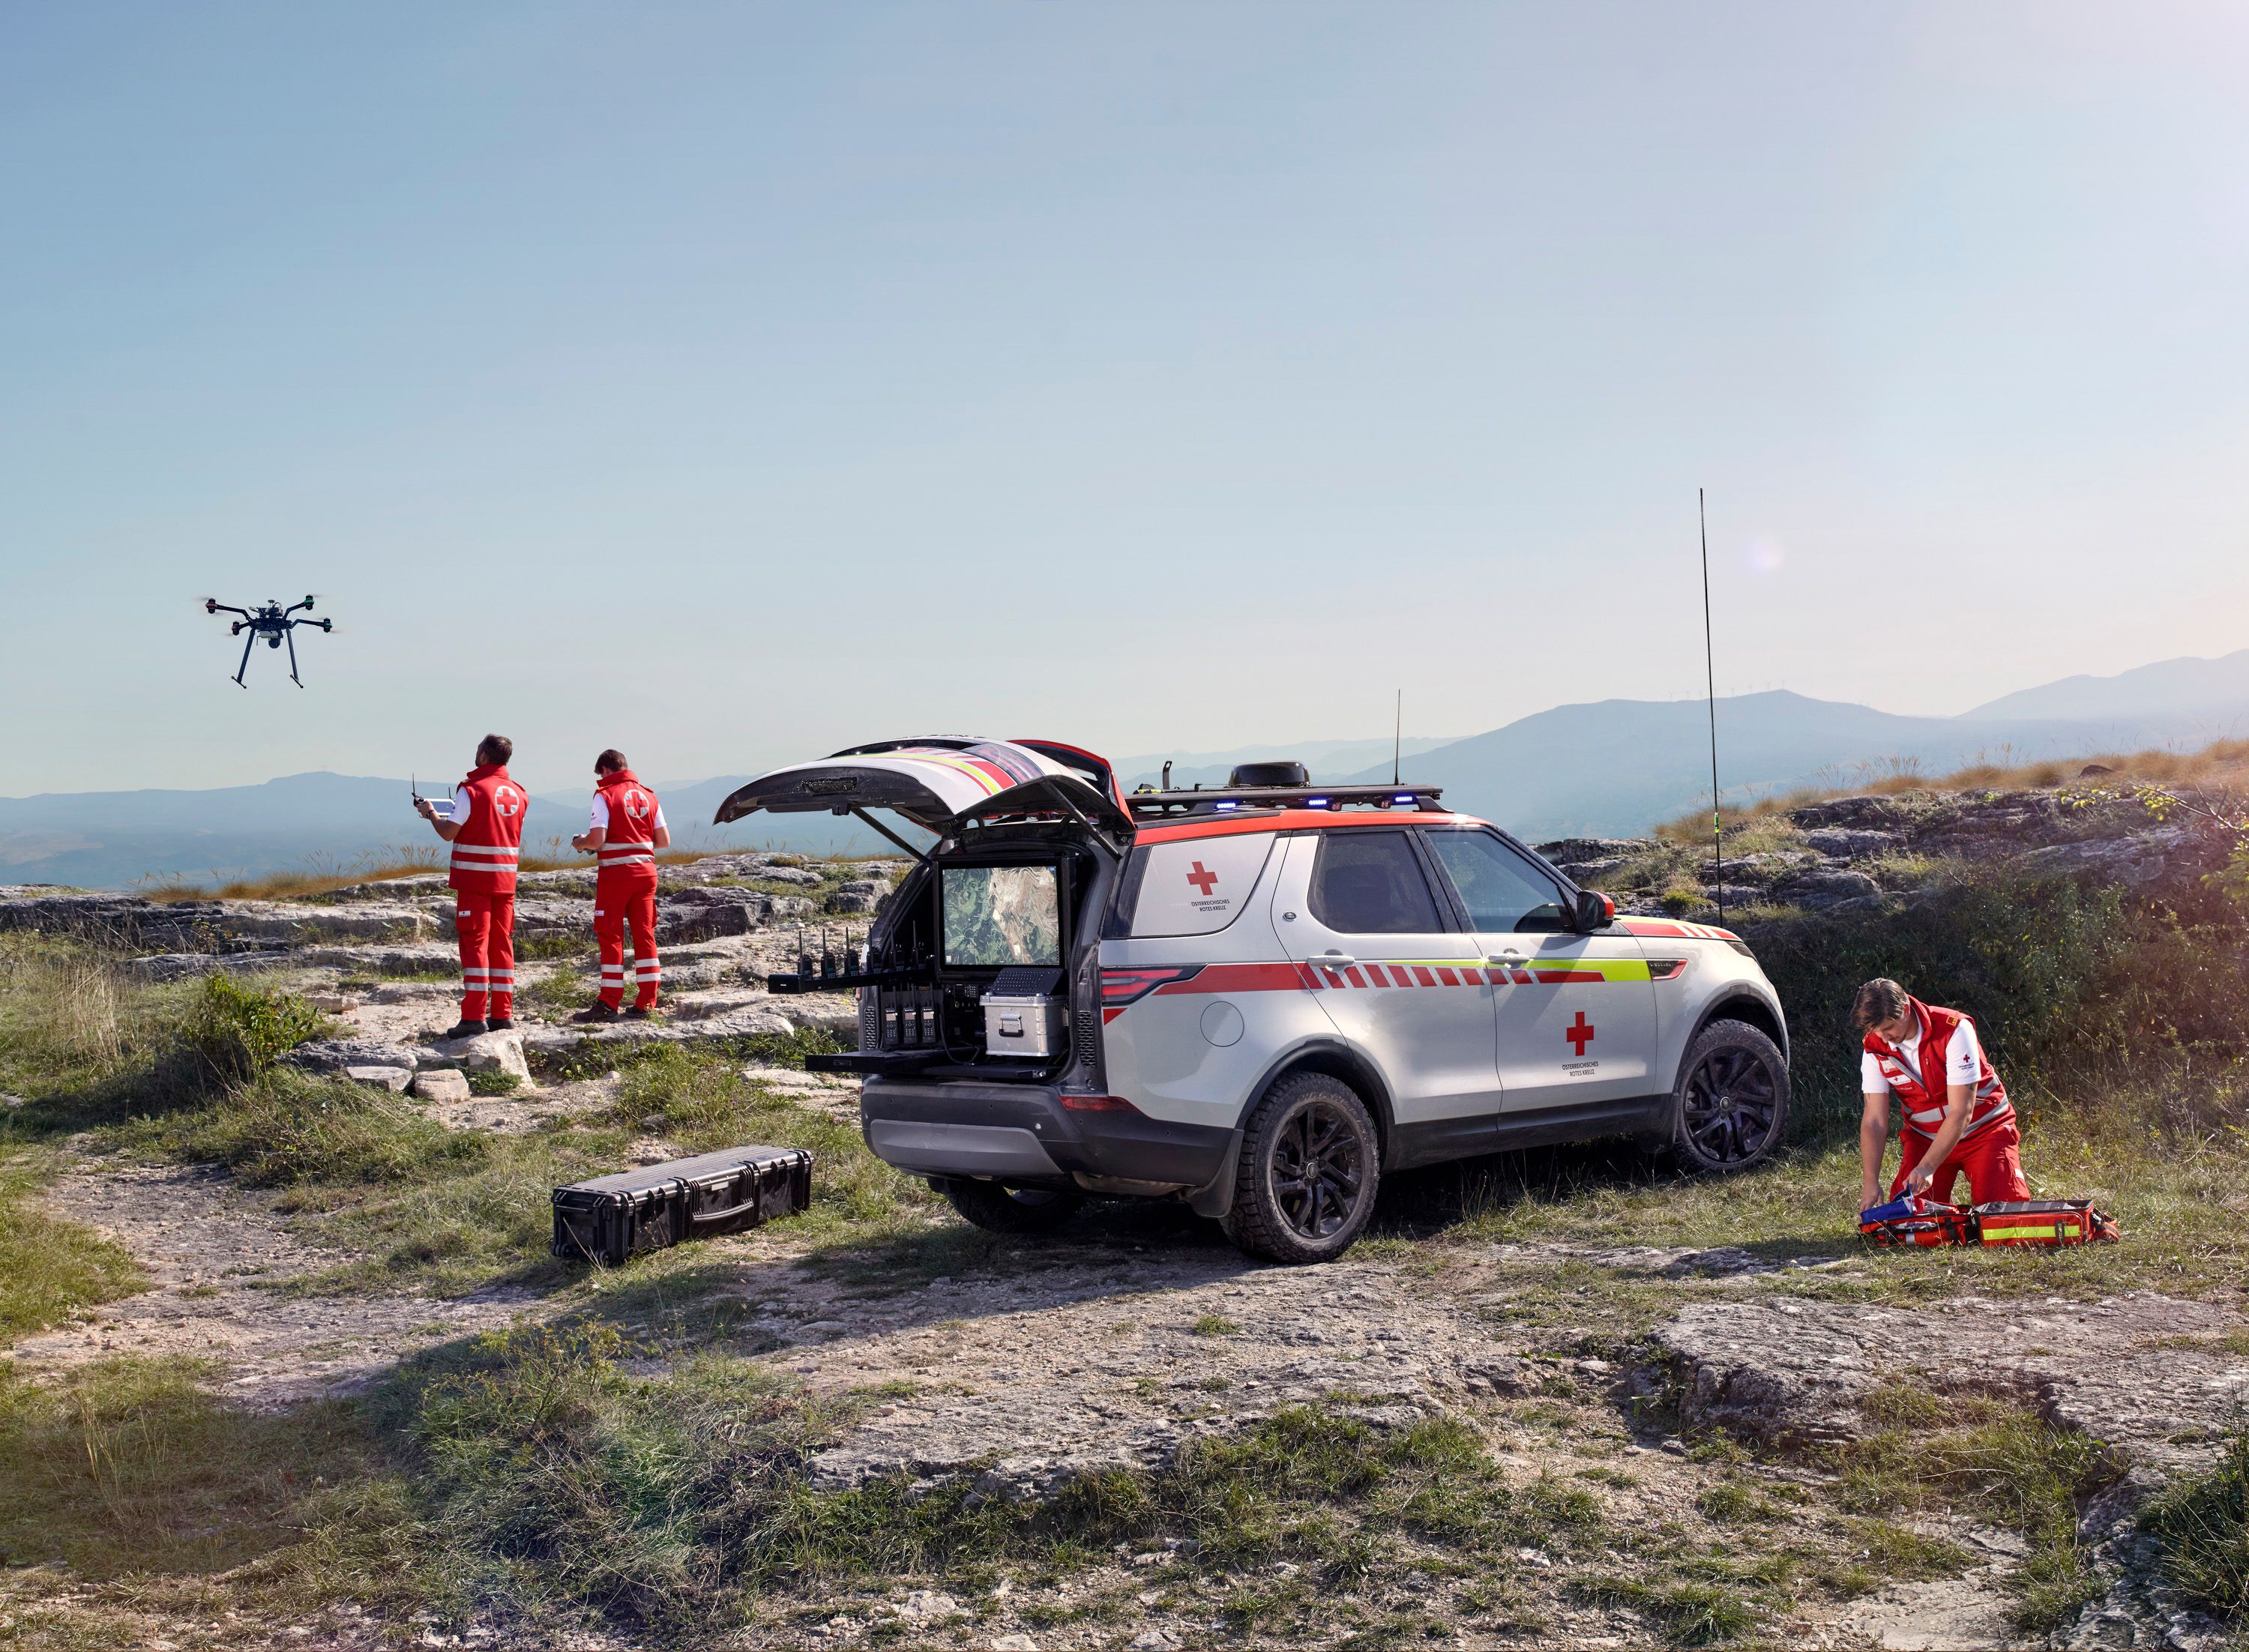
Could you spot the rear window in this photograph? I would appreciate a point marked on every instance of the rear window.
(1197, 886)
(996, 918)
(1371, 883)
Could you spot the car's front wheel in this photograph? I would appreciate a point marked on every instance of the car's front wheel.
(1731, 1100)
(1305, 1183)
(1004, 1209)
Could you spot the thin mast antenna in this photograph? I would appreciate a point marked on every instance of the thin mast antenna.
(1711, 691)
(1398, 737)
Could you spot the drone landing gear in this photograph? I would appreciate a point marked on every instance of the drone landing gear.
(244, 666)
(293, 677)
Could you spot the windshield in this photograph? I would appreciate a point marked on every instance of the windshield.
(999, 916)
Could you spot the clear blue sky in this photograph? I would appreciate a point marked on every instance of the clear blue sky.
(729, 383)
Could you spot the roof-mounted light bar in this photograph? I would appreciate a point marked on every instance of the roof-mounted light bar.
(1157, 805)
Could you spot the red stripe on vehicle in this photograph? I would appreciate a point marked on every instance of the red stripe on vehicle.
(1568, 977)
(1422, 977)
(1241, 977)
(1448, 977)
(1354, 977)
(1107, 1016)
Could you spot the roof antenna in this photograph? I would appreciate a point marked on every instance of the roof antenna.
(1398, 736)
(1710, 689)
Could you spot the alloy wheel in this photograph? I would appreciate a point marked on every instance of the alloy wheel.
(1733, 1104)
(1319, 1165)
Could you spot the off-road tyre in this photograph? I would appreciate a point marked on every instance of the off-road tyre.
(1305, 1181)
(1730, 1107)
(997, 1208)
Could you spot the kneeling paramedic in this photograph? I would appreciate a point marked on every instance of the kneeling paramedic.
(625, 829)
(1957, 1118)
(486, 828)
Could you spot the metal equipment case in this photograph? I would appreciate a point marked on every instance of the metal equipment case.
(611, 1217)
(1024, 1012)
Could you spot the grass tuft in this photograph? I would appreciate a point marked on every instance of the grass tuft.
(2203, 1520)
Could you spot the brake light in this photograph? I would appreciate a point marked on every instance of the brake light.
(1121, 987)
(1098, 1104)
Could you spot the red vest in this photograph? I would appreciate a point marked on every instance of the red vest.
(629, 845)
(486, 847)
(1925, 1093)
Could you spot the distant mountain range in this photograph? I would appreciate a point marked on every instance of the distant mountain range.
(1607, 768)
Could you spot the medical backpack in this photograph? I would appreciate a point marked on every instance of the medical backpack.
(1916, 1221)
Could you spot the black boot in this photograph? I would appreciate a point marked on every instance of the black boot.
(467, 1029)
(500, 1024)
(596, 1011)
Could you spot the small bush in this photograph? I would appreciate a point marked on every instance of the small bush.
(2204, 1522)
(494, 1083)
(235, 1033)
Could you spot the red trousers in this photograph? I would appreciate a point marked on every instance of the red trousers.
(487, 926)
(1989, 1159)
(622, 900)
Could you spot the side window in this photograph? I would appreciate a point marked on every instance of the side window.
(1197, 886)
(1500, 890)
(1370, 883)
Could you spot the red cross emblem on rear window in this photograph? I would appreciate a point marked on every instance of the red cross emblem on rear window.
(1203, 880)
(1580, 1034)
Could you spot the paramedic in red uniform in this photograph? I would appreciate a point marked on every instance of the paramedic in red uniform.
(1957, 1118)
(486, 828)
(626, 829)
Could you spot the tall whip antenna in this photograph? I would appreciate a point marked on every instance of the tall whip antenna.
(1398, 737)
(1711, 691)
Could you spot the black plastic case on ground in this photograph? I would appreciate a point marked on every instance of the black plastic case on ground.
(611, 1217)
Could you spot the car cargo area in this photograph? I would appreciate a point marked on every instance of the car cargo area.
(968, 972)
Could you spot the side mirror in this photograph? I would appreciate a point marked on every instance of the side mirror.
(1595, 911)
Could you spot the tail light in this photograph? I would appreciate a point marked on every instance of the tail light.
(1097, 1104)
(1121, 987)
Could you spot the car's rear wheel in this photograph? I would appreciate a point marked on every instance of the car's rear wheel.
(1005, 1210)
(1304, 1184)
(1731, 1101)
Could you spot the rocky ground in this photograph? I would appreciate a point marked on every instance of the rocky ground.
(1020, 1367)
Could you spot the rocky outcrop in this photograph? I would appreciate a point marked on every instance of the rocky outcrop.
(1850, 853)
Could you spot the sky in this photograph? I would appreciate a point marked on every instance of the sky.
(733, 383)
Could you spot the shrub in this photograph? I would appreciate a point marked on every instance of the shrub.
(235, 1033)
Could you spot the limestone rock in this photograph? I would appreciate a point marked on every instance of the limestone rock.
(490, 1053)
(1822, 889)
(441, 1084)
(179, 966)
(335, 1055)
(861, 894)
(1845, 844)
(392, 1079)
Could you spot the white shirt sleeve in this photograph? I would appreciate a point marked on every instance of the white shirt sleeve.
(1961, 1062)
(1871, 1082)
(460, 814)
(599, 821)
(660, 826)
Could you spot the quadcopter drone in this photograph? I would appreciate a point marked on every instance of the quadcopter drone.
(271, 621)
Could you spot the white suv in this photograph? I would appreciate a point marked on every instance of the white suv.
(1259, 999)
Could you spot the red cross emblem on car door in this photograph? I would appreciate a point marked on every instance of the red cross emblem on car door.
(1580, 1033)
(1203, 880)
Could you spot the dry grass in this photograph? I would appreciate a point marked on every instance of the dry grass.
(2223, 765)
(322, 877)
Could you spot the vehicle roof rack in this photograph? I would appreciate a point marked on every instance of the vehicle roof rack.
(1149, 806)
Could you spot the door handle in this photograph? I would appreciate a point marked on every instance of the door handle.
(1333, 960)
(1512, 955)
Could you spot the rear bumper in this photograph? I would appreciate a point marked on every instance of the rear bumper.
(1022, 1133)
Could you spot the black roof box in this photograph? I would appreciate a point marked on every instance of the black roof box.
(1254, 774)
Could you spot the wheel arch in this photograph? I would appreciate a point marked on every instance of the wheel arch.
(1739, 1006)
(1339, 1062)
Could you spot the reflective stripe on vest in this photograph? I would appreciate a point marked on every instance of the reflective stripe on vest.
(630, 838)
(1925, 1104)
(486, 853)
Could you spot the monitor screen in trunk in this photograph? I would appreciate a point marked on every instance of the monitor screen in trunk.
(998, 916)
